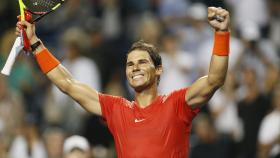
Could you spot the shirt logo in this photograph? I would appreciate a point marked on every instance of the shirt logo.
(138, 120)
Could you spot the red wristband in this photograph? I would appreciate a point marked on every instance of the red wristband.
(221, 43)
(46, 60)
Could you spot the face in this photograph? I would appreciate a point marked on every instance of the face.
(77, 154)
(54, 144)
(140, 70)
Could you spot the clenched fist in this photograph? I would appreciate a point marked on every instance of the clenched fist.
(218, 18)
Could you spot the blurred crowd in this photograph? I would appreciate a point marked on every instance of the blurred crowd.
(91, 38)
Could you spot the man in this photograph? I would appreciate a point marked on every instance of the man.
(152, 125)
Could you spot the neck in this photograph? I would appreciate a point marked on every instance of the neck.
(145, 97)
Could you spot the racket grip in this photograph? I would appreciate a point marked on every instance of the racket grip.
(11, 59)
(28, 17)
(9, 64)
(26, 43)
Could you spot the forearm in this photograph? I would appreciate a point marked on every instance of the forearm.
(203, 89)
(219, 60)
(217, 70)
(61, 78)
(56, 72)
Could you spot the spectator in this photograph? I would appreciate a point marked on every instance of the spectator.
(11, 116)
(258, 53)
(223, 107)
(76, 147)
(208, 143)
(251, 110)
(54, 139)
(269, 135)
(28, 143)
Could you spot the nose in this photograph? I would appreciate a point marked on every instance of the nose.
(135, 67)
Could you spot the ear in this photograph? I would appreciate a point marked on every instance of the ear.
(159, 70)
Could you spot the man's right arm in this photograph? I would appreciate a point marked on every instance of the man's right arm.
(81, 93)
(86, 96)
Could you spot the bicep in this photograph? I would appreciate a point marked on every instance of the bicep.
(86, 96)
(199, 93)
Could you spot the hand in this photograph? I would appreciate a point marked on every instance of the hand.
(30, 31)
(218, 25)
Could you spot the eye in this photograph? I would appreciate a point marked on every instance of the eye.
(129, 64)
(143, 61)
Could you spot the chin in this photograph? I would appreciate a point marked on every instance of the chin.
(138, 87)
(141, 87)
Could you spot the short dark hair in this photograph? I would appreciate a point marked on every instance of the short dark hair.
(151, 49)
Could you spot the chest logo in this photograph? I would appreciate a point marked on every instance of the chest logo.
(139, 120)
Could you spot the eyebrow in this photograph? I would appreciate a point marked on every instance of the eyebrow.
(140, 60)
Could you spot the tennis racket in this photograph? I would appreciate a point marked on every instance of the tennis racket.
(41, 8)
(36, 9)
(31, 11)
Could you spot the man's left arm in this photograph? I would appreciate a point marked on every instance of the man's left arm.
(203, 89)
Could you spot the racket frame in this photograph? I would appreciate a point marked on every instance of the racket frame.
(42, 14)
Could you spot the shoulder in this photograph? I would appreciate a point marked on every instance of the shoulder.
(111, 105)
(181, 107)
(113, 100)
(177, 96)
(178, 92)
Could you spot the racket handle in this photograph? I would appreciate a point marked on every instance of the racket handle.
(9, 64)
(26, 43)
(28, 17)
(11, 58)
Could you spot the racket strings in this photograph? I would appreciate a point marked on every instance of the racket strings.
(40, 6)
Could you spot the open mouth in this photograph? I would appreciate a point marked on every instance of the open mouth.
(137, 76)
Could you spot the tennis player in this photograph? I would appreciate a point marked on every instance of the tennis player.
(152, 125)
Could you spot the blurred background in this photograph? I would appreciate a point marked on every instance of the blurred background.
(91, 38)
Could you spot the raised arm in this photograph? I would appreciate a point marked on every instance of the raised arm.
(83, 94)
(203, 89)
